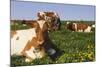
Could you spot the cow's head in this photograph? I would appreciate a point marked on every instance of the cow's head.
(51, 17)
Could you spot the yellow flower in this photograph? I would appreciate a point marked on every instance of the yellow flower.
(88, 46)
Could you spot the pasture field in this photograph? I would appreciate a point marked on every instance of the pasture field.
(74, 47)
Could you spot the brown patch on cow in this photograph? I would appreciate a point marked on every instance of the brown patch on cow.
(45, 26)
(70, 26)
(50, 14)
(30, 44)
(81, 26)
(12, 33)
(33, 24)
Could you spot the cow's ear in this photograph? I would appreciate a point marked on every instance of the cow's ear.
(33, 24)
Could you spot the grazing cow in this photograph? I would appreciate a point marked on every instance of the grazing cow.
(78, 27)
(52, 18)
(30, 42)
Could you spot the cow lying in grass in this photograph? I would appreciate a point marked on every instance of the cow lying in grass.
(78, 27)
(31, 43)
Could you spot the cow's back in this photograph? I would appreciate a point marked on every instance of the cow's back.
(20, 39)
(82, 26)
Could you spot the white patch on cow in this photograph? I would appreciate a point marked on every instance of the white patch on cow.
(24, 36)
(42, 13)
(51, 51)
(88, 29)
(41, 23)
(33, 56)
(40, 42)
(80, 30)
(38, 54)
(55, 14)
(30, 53)
(33, 53)
(75, 24)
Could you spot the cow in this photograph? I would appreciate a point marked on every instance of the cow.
(78, 27)
(31, 42)
(52, 18)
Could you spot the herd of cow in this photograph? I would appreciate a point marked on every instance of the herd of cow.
(34, 42)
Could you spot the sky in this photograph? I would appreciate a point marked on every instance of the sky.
(22, 10)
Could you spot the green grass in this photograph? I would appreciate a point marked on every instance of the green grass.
(76, 47)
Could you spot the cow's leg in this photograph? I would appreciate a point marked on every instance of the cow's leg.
(40, 53)
(30, 54)
(27, 47)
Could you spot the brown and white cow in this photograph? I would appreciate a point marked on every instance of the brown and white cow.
(78, 27)
(30, 42)
(52, 18)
